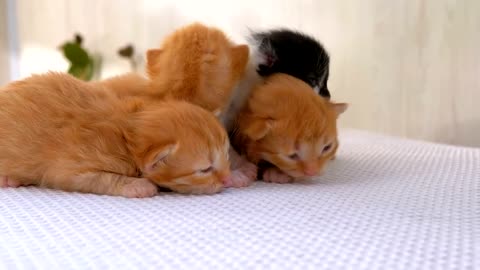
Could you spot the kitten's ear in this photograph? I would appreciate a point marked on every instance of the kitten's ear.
(152, 56)
(152, 60)
(339, 108)
(239, 58)
(269, 54)
(159, 155)
(258, 128)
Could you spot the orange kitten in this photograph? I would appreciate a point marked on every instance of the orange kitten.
(289, 126)
(199, 64)
(60, 132)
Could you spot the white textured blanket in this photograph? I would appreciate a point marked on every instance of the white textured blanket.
(385, 203)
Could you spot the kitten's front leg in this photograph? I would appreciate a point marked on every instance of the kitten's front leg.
(110, 184)
(243, 171)
(6, 182)
(139, 188)
(274, 175)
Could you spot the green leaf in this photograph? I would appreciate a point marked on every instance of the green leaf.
(82, 72)
(75, 54)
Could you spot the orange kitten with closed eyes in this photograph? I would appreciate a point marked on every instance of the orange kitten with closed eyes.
(198, 64)
(60, 132)
(201, 65)
(288, 127)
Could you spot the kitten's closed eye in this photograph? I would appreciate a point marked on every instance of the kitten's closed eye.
(294, 156)
(206, 170)
(326, 148)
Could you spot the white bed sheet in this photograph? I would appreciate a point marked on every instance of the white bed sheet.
(385, 203)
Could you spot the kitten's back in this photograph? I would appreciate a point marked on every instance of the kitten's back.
(47, 119)
(199, 64)
(126, 85)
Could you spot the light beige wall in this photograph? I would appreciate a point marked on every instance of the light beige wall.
(4, 59)
(411, 68)
(408, 68)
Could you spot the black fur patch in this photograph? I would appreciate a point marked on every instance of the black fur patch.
(296, 54)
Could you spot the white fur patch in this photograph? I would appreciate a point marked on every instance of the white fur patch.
(240, 94)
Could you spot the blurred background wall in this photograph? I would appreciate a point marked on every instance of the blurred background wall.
(409, 68)
(4, 49)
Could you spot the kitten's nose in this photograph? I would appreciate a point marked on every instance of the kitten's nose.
(226, 179)
(310, 169)
(310, 172)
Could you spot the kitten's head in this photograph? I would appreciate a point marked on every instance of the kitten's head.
(293, 53)
(199, 64)
(182, 147)
(286, 124)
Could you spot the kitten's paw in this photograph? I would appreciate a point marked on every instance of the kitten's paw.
(244, 175)
(249, 169)
(6, 182)
(239, 179)
(274, 175)
(139, 188)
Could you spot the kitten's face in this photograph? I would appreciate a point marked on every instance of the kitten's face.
(296, 54)
(184, 148)
(198, 64)
(296, 154)
(192, 167)
(290, 127)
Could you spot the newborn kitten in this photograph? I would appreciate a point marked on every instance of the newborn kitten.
(280, 51)
(63, 133)
(201, 65)
(293, 53)
(198, 64)
(288, 126)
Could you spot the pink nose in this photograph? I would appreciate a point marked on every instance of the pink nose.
(227, 180)
(310, 172)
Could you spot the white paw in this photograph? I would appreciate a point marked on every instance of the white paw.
(243, 175)
(239, 179)
(274, 175)
(6, 182)
(249, 169)
(139, 188)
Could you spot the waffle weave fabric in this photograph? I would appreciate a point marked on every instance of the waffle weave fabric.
(384, 203)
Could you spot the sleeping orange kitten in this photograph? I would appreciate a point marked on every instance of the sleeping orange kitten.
(60, 132)
(289, 127)
(198, 64)
(201, 65)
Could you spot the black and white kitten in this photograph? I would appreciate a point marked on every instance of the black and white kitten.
(294, 53)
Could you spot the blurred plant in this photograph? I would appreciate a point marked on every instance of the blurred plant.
(87, 66)
(82, 64)
(128, 52)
